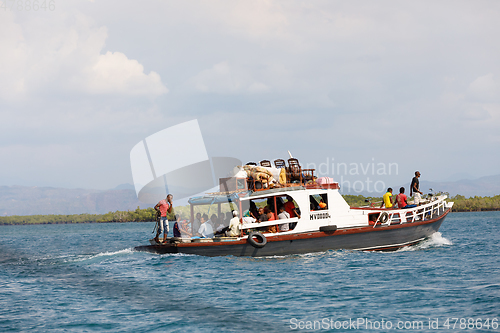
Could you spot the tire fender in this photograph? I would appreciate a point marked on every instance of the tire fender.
(257, 244)
(384, 217)
(328, 228)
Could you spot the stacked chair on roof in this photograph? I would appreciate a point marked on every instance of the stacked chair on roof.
(294, 171)
(307, 175)
(266, 163)
(279, 163)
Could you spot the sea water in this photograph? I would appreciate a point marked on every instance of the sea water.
(87, 277)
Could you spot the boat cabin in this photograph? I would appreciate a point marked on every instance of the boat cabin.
(261, 192)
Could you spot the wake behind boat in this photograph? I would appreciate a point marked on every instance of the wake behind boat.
(319, 218)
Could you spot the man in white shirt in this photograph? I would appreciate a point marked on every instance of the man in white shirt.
(205, 230)
(283, 214)
(234, 226)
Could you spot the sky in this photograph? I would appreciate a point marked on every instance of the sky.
(358, 89)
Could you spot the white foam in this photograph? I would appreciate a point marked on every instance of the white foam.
(103, 254)
(435, 240)
(178, 254)
(124, 251)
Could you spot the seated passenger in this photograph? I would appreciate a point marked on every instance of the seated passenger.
(213, 221)
(219, 224)
(185, 229)
(253, 211)
(290, 207)
(387, 199)
(176, 231)
(262, 215)
(372, 219)
(283, 214)
(270, 214)
(234, 226)
(197, 222)
(248, 219)
(322, 204)
(271, 228)
(205, 230)
(401, 198)
(248, 213)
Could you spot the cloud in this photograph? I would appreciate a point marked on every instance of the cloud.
(114, 73)
(257, 20)
(484, 89)
(63, 53)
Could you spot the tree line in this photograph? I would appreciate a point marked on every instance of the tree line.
(461, 204)
(138, 215)
(475, 204)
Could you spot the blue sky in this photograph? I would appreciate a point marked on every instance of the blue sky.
(415, 83)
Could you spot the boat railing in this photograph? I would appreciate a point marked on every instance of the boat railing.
(371, 204)
(268, 223)
(425, 212)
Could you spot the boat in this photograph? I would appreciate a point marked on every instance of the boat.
(324, 220)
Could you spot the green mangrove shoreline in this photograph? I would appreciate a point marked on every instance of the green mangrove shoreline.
(461, 204)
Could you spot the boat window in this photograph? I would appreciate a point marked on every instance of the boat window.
(264, 206)
(318, 202)
(267, 209)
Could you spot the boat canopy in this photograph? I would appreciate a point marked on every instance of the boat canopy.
(215, 199)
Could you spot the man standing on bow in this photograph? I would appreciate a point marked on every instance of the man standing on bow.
(415, 188)
(164, 206)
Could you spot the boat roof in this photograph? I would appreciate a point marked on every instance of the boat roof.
(221, 197)
(216, 198)
(283, 190)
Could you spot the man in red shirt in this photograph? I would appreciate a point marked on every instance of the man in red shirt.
(290, 207)
(401, 198)
(163, 206)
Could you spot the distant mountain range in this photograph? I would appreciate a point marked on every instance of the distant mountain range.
(484, 186)
(22, 200)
